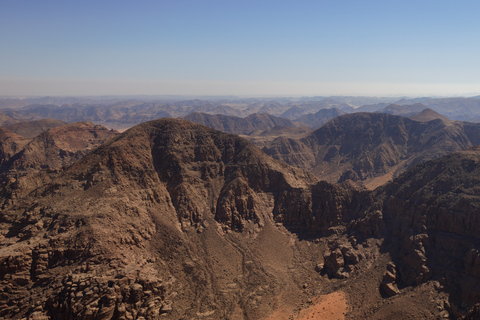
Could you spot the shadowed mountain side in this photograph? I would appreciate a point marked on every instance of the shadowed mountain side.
(152, 211)
(432, 216)
(236, 125)
(31, 129)
(6, 120)
(315, 120)
(264, 138)
(404, 110)
(428, 115)
(47, 154)
(177, 220)
(310, 107)
(10, 144)
(371, 147)
(60, 146)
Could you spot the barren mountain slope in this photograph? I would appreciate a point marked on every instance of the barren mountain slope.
(426, 224)
(10, 144)
(371, 147)
(47, 154)
(236, 125)
(315, 120)
(403, 110)
(31, 129)
(62, 145)
(5, 120)
(431, 215)
(427, 115)
(142, 226)
(176, 220)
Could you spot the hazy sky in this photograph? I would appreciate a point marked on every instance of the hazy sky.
(244, 47)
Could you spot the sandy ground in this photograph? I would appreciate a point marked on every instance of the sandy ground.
(326, 307)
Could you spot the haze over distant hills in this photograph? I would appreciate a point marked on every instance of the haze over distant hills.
(123, 113)
(230, 124)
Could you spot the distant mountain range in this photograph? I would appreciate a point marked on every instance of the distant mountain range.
(373, 147)
(256, 122)
(114, 112)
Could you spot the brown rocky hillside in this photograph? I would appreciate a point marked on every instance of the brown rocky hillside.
(372, 147)
(256, 122)
(31, 129)
(46, 154)
(5, 120)
(176, 220)
(428, 115)
(10, 144)
(153, 211)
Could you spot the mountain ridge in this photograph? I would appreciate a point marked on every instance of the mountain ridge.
(366, 146)
(174, 219)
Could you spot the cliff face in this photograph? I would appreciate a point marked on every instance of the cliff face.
(176, 219)
(370, 147)
(432, 218)
(153, 211)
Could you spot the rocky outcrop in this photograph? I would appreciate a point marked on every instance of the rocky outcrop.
(46, 155)
(177, 219)
(388, 284)
(146, 205)
(87, 291)
(368, 146)
(434, 209)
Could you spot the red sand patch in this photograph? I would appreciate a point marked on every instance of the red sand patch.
(327, 307)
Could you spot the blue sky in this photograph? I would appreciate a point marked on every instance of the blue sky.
(239, 47)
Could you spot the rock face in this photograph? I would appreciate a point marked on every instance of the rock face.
(61, 146)
(434, 208)
(151, 212)
(388, 284)
(256, 122)
(173, 219)
(33, 162)
(372, 147)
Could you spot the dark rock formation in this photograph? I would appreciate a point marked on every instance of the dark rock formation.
(178, 220)
(432, 217)
(371, 147)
